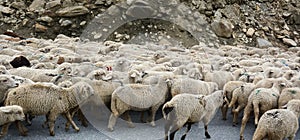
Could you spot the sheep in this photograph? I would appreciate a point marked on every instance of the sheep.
(239, 99)
(10, 114)
(288, 94)
(42, 75)
(273, 72)
(108, 47)
(192, 86)
(219, 77)
(20, 61)
(6, 83)
(122, 65)
(134, 76)
(48, 99)
(83, 69)
(268, 82)
(138, 97)
(3, 70)
(261, 100)
(278, 124)
(229, 87)
(99, 74)
(189, 109)
(289, 74)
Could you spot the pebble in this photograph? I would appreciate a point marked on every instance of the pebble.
(72, 11)
(289, 42)
(250, 32)
(40, 28)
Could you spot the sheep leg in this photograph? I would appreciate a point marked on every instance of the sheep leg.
(173, 130)
(167, 128)
(4, 129)
(224, 112)
(82, 118)
(291, 137)
(69, 118)
(206, 132)
(52, 117)
(112, 122)
(22, 129)
(153, 112)
(189, 126)
(72, 113)
(256, 112)
(128, 119)
(46, 122)
(245, 119)
(259, 135)
(235, 115)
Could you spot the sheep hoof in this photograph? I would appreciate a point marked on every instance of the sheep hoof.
(77, 129)
(152, 124)
(110, 129)
(85, 124)
(242, 138)
(207, 135)
(67, 129)
(131, 125)
(224, 119)
(24, 134)
(52, 134)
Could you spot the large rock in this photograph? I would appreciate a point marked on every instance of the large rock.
(222, 28)
(263, 43)
(72, 11)
(37, 5)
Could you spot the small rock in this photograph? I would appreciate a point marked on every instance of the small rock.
(222, 28)
(82, 23)
(99, 2)
(265, 28)
(40, 28)
(37, 5)
(250, 32)
(6, 10)
(289, 42)
(262, 43)
(18, 5)
(52, 4)
(45, 19)
(72, 11)
(66, 23)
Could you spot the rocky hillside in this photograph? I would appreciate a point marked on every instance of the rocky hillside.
(261, 23)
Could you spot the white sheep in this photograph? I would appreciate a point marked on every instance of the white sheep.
(188, 109)
(42, 75)
(48, 99)
(6, 83)
(219, 77)
(192, 86)
(240, 99)
(10, 114)
(278, 124)
(229, 87)
(260, 101)
(3, 70)
(273, 72)
(288, 94)
(138, 97)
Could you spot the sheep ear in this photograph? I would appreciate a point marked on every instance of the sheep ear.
(284, 107)
(7, 111)
(133, 75)
(105, 78)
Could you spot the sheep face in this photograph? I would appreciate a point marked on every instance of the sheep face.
(65, 69)
(3, 70)
(82, 92)
(136, 76)
(65, 84)
(7, 82)
(13, 113)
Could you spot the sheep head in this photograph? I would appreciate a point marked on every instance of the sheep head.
(13, 112)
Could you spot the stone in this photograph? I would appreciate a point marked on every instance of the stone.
(40, 28)
(99, 2)
(37, 5)
(222, 28)
(72, 11)
(263, 43)
(18, 5)
(250, 32)
(6, 10)
(141, 9)
(289, 42)
(53, 4)
(45, 19)
(66, 23)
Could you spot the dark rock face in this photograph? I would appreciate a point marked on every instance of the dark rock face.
(20, 61)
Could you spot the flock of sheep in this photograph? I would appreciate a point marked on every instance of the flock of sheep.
(53, 77)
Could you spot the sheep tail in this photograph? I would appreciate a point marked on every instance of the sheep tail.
(113, 106)
(167, 108)
(233, 100)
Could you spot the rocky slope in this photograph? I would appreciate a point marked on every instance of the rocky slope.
(261, 23)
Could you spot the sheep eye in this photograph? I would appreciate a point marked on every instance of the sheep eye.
(4, 81)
